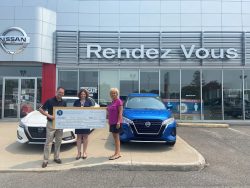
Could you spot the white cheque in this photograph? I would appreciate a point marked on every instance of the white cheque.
(79, 117)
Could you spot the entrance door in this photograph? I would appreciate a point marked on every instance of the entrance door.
(19, 96)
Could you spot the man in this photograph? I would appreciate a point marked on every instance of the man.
(50, 132)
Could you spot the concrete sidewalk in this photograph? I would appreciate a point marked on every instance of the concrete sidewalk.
(135, 156)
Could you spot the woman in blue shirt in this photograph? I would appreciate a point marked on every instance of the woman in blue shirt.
(82, 134)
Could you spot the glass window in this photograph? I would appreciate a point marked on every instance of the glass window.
(68, 80)
(149, 82)
(129, 83)
(247, 93)
(89, 80)
(1, 91)
(232, 93)
(108, 79)
(170, 89)
(190, 106)
(212, 94)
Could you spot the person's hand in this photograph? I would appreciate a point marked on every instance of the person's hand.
(51, 117)
(118, 125)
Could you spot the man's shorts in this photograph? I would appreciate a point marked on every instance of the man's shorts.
(113, 129)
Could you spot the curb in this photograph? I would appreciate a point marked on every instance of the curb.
(205, 125)
(199, 165)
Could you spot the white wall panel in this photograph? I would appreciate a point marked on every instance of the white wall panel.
(130, 7)
(7, 13)
(30, 26)
(67, 19)
(109, 7)
(170, 7)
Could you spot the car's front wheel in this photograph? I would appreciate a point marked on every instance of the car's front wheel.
(170, 143)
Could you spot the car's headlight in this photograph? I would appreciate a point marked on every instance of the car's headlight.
(21, 125)
(127, 121)
(168, 121)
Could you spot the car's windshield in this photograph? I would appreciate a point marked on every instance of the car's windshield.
(70, 102)
(144, 103)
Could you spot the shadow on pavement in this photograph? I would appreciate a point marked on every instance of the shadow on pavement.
(65, 161)
(33, 149)
(145, 147)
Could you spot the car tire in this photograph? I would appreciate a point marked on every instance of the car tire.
(170, 143)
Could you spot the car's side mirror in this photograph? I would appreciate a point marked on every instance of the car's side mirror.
(169, 106)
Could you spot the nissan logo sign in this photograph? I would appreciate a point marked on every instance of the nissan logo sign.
(147, 124)
(18, 42)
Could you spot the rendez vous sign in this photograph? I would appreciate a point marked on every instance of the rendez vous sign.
(96, 51)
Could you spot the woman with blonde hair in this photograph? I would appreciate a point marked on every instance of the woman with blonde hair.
(115, 110)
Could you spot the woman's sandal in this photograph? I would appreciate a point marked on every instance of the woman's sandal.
(78, 157)
(84, 156)
(114, 157)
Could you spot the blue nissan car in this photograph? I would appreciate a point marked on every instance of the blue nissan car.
(146, 118)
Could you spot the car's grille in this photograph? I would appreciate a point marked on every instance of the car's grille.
(153, 128)
(37, 132)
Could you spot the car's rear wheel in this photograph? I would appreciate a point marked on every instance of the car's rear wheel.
(170, 143)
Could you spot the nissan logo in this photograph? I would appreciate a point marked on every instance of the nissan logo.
(147, 124)
(19, 41)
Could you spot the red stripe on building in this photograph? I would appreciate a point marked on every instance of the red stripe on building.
(48, 81)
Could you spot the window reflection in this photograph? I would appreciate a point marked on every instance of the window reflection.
(212, 94)
(149, 82)
(89, 80)
(190, 106)
(108, 79)
(232, 93)
(247, 93)
(68, 80)
(170, 90)
(129, 83)
(1, 90)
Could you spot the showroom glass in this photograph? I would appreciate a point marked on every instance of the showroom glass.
(247, 93)
(89, 80)
(27, 96)
(18, 72)
(170, 89)
(108, 79)
(149, 82)
(11, 98)
(129, 83)
(68, 80)
(190, 106)
(232, 94)
(212, 94)
(1, 91)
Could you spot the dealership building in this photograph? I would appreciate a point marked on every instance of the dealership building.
(195, 54)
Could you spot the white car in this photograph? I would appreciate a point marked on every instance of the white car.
(32, 128)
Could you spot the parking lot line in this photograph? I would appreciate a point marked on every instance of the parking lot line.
(238, 131)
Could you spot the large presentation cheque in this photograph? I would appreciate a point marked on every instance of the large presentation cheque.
(79, 117)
